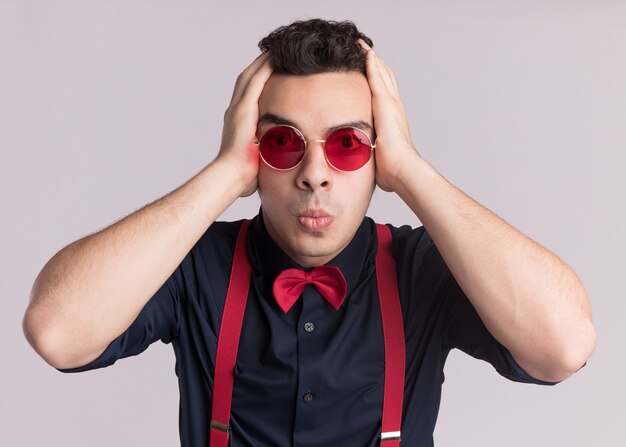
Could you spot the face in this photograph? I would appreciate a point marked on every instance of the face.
(313, 210)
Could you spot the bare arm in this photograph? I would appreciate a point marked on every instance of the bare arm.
(92, 290)
(529, 299)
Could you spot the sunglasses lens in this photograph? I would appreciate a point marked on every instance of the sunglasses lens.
(348, 149)
(281, 147)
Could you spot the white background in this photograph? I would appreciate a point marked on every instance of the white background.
(108, 105)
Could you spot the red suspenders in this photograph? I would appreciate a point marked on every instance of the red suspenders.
(232, 319)
(393, 331)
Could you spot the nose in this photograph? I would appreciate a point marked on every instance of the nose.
(314, 172)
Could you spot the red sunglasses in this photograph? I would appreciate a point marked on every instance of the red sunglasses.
(346, 149)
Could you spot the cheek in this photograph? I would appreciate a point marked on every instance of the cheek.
(367, 187)
(264, 178)
(271, 186)
(367, 180)
(358, 192)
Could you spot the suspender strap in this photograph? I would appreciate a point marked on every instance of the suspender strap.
(393, 330)
(232, 320)
(228, 341)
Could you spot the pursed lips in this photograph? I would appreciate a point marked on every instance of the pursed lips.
(315, 219)
(318, 212)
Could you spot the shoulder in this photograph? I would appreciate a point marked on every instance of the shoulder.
(215, 247)
(415, 252)
(408, 240)
(220, 233)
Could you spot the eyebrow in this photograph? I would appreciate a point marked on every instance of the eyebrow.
(270, 118)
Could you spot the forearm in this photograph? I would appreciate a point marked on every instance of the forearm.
(530, 300)
(93, 289)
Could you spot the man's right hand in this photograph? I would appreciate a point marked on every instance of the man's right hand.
(240, 123)
(91, 291)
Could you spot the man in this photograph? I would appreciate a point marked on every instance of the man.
(299, 129)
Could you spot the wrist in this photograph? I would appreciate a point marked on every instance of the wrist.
(413, 178)
(406, 170)
(242, 176)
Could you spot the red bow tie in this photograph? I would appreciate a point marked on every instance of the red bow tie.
(327, 279)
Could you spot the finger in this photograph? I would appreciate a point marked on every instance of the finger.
(364, 45)
(381, 76)
(254, 87)
(245, 76)
(391, 76)
(385, 75)
(374, 76)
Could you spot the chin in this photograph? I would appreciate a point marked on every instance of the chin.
(312, 247)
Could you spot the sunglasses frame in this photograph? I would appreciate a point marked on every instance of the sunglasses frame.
(257, 142)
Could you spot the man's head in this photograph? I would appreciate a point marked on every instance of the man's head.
(318, 83)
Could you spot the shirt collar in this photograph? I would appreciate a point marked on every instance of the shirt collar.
(268, 259)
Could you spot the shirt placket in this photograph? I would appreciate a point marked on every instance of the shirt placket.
(310, 342)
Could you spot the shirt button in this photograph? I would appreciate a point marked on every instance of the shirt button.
(308, 397)
(309, 327)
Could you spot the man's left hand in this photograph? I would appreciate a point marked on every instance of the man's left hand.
(394, 145)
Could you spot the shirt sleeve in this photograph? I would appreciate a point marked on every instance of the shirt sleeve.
(463, 329)
(157, 320)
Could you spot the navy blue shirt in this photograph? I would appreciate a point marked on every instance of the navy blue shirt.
(313, 376)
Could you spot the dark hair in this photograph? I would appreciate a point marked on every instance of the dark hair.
(316, 46)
